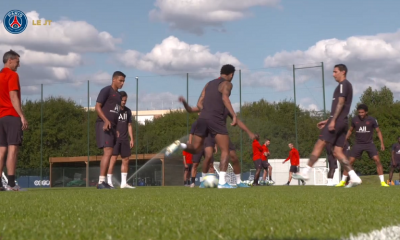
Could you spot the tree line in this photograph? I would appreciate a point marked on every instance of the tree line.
(65, 129)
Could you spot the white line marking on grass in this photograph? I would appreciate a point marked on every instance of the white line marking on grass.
(385, 233)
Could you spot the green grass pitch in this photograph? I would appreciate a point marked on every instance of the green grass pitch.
(277, 212)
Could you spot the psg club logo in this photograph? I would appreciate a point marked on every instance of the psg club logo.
(15, 21)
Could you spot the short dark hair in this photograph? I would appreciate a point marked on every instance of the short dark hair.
(227, 69)
(342, 68)
(362, 106)
(9, 55)
(118, 74)
(267, 139)
(123, 94)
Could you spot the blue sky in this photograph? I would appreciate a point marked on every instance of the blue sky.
(276, 30)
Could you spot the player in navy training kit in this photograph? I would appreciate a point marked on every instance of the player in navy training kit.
(395, 163)
(364, 126)
(123, 144)
(334, 129)
(108, 104)
(211, 142)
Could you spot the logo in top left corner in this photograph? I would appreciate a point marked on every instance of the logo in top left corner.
(15, 21)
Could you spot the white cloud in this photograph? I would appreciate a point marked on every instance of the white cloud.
(50, 54)
(194, 15)
(175, 56)
(308, 104)
(372, 60)
(61, 37)
(279, 81)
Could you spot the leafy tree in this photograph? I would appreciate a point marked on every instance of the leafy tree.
(65, 129)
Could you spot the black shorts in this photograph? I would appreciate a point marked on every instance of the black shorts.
(189, 168)
(105, 138)
(336, 137)
(208, 142)
(358, 149)
(265, 164)
(205, 127)
(122, 148)
(331, 159)
(257, 163)
(10, 131)
(294, 169)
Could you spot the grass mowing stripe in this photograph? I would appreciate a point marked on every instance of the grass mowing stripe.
(278, 212)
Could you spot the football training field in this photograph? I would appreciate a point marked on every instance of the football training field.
(267, 212)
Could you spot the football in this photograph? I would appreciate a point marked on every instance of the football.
(210, 181)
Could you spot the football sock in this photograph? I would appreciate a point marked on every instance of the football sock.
(102, 179)
(123, 178)
(330, 180)
(344, 178)
(11, 180)
(381, 178)
(353, 175)
(306, 169)
(238, 179)
(193, 179)
(109, 179)
(222, 178)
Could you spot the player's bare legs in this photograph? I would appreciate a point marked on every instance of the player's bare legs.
(318, 148)
(257, 176)
(264, 178)
(223, 144)
(3, 152)
(290, 177)
(378, 163)
(236, 168)
(110, 171)
(392, 169)
(105, 161)
(194, 147)
(354, 179)
(124, 173)
(193, 174)
(12, 154)
(351, 162)
(208, 154)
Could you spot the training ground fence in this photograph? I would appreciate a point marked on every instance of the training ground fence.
(279, 103)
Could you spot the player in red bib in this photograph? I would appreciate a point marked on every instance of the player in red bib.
(12, 118)
(294, 158)
(265, 164)
(188, 163)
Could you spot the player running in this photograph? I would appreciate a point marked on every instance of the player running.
(333, 130)
(257, 155)
(265, 164)
(364, 126)
(395, 163)
(108, 105)
(212, 120)
(124, 143)
(294, 158)
(209, 147)
(12, 118)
